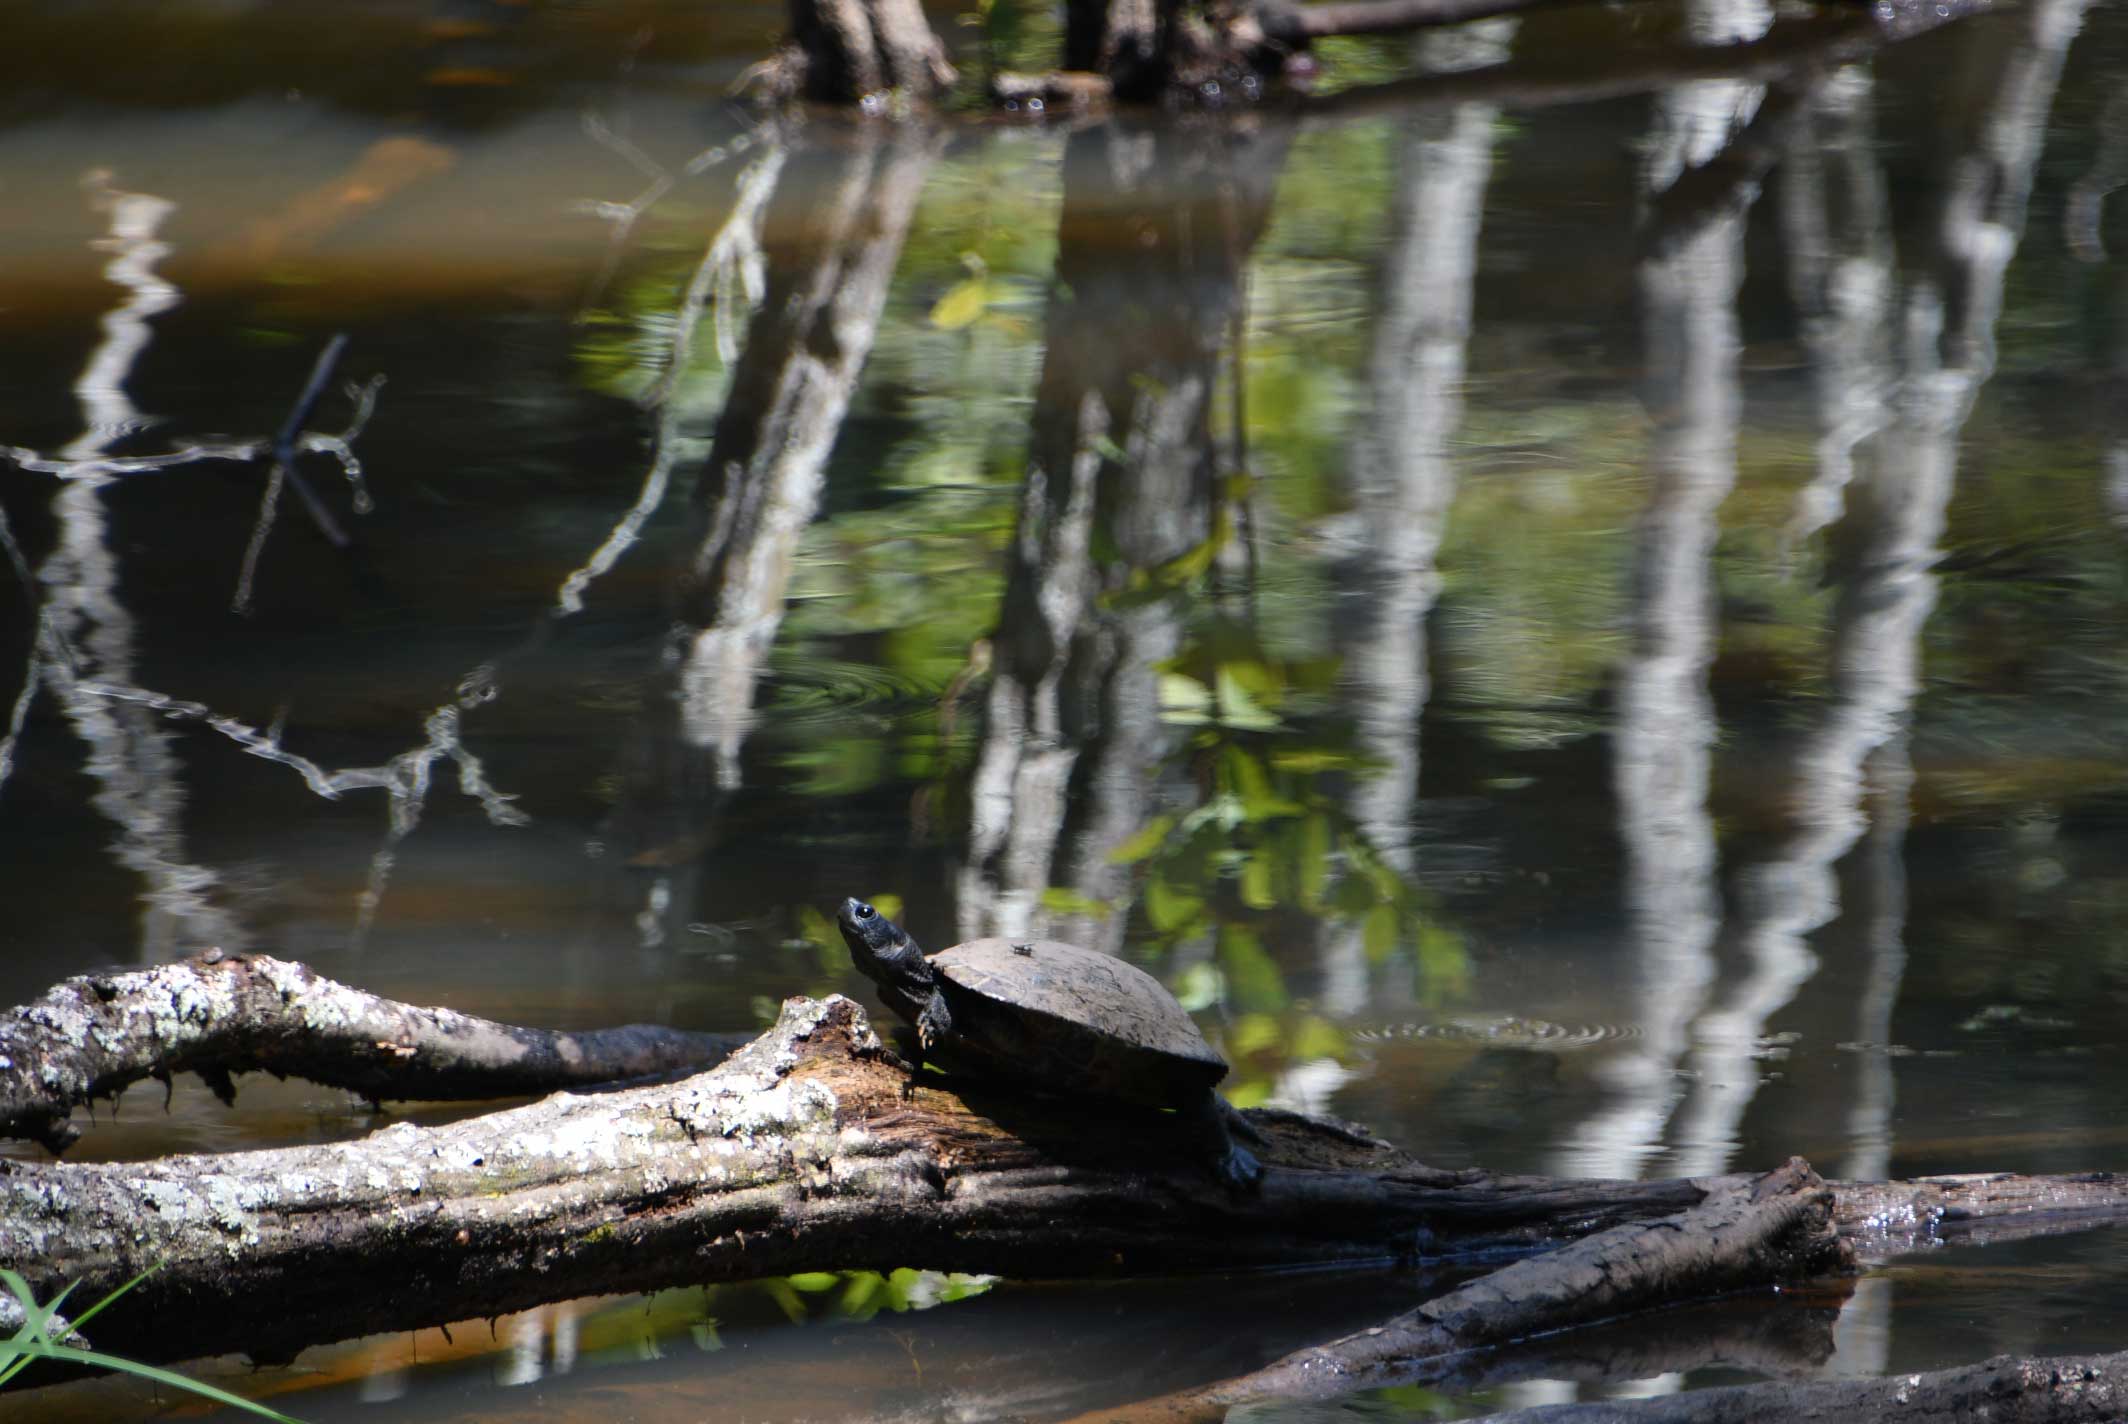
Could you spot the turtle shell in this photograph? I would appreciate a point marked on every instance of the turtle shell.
(1070, 1020)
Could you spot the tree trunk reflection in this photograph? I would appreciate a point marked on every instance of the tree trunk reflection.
(1121, 483)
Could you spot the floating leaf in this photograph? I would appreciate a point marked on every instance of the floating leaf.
(1256, 888)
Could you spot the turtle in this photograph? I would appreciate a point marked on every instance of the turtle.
(1057, 1018)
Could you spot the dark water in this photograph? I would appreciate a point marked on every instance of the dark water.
(1581, 676)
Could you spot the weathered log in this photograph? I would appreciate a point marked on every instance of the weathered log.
(1886, 1219)
(217, 1015)
(1785, 1227)
(2075, 1389)
(1792, 48)
(1297, 26)
(807, 1150)
(1746, 1234)
(802, 1152)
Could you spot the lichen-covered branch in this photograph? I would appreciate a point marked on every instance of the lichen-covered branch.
(218, 1015)
(806, 1150)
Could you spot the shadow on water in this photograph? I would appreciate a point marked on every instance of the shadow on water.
(1586, 635)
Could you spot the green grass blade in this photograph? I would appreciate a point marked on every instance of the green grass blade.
(161, 1376)
(90, 1314)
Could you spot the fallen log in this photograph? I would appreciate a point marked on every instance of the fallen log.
(804, 1151)
(1886, 1219)
(94, 1035)
(809, 1150)
(2079, 1389)
(1746, 1234)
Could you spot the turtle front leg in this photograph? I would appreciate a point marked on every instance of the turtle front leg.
(1218, 1122)
(907, 1055)
(1237, 1122)
(935, 1022)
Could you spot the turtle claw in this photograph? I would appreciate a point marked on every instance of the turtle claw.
(934, 1023)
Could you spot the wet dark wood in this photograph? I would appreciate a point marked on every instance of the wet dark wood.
(857, 51)
(1744, 1234)
(2076, 1389)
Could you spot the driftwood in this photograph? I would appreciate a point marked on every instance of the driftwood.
(2078, 1389)
(93, 1036)
(1795, 52)
(809, 1150)
(1747, 1234)
(801, 1152)
(852, 51)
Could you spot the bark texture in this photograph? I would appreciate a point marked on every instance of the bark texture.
(1745, 1234)
(802, 1152)
(218, 1015)
(806, 1150)
(2076, 1389)
(853, 51)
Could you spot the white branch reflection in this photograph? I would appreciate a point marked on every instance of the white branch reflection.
(1403, 478)
(85, 631)
(731, 272)
(788, 396)
(1665, 725)
(1888, 452)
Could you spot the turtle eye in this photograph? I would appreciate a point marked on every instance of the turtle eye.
(864, 911)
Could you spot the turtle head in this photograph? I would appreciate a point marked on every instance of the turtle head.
(883, 951)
